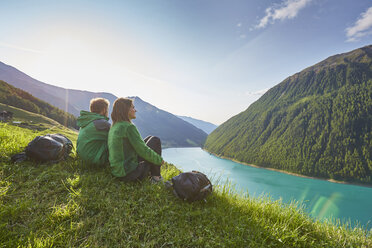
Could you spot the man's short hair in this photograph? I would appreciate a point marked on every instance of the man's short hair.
(97, 105)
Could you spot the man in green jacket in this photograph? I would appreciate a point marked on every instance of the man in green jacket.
(94, 127)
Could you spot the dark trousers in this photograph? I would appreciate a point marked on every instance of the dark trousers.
(145, 168)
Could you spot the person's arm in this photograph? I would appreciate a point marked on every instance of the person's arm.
(141, 148)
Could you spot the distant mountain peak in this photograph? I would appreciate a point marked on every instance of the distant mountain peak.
(203, 125)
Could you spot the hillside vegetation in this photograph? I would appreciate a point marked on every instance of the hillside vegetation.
(72, 205)
(10, 95)
(316, 122)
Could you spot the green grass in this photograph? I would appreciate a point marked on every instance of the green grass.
(23, 115)
(72, 205)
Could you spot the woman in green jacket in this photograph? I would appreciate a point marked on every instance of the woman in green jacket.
(131, 159)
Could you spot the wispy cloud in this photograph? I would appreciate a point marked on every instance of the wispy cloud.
(256, 93)
(7, 45)
(288, 9)
(362, 27)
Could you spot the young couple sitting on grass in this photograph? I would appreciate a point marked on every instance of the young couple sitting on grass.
(120, 145)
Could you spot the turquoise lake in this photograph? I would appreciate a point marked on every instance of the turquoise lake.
(322, 199)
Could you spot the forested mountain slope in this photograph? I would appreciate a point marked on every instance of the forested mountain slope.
(18, 98)
(316, 122)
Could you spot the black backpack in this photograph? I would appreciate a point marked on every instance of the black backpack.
(48, 148)
(191, 186)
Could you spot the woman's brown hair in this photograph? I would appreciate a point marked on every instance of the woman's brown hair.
(120, 110)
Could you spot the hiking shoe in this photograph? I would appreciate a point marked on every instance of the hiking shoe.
(156, 179)
(168, 184)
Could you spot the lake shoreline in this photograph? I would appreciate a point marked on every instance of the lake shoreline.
(289, 173)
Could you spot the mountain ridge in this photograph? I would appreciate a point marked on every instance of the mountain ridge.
(161, 120)
(207, 127)
(313, 123)
(23, 81)
(72, 101)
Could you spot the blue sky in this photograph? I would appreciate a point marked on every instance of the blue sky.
(205, 59)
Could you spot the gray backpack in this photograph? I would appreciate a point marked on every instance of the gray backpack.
(191, 186)
(50, 148)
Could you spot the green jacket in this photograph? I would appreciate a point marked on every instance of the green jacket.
(91, 144)
(125, 144)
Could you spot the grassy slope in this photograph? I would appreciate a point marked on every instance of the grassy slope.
(70, 205)
(23, 115)
(36, 122)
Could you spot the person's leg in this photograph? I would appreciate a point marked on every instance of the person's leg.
(145, 140)
(145, 171)
(138, 174)
(155, 144)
